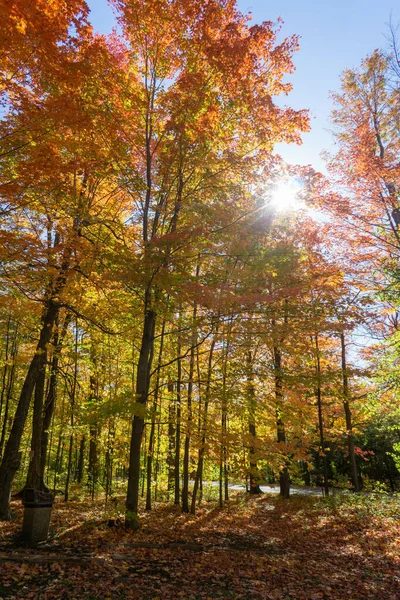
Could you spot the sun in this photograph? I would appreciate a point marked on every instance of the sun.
(285, 196)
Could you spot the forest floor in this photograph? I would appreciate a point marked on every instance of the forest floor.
(264, 548)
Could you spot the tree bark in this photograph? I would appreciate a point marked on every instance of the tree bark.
(93, 460)
(200, 460)
(34, 478)
(349, 425)
(73, 399)
(251, 398)
(109, 459)
(150, 452)
(284, 477)
(320, 418)
(81, 459)
(223, 460)
(178, 425)
(6, 367)
(12, 457)
(48, 414)
(9, 391)
(157, 465)
(60, 443)
(189, 417)
(69, 464)
(51, 397)
(171, 440)
(142, 391)
(93, 463)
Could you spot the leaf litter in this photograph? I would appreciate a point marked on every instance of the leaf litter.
(256, 548)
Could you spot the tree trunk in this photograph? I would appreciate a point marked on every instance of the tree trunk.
(189, 417)
(284, 477)
(320, 418)
(251, 398)
(149, 465)
(186, 452)
(178, 426)
(93, 460)
(52, 391)
(9, 391)
(142, 391)
(12, 457)
(171, 441)
(109, 459)
(157, 465)
(48, 414)
(93, 466)
(200, 460)
(81, 459)
(34, 478)
(60, 460)
(60, 444)
(69, 465)
(223, 467)
(143, 468)
(150, 452)
(349, 425)
(5, 368)
(73, 399)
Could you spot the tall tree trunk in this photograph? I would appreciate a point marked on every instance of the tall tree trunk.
(51, 397)
(318, 394)
(284, 478)
(34, 479)
(200, 459)
(58, 463)
(81, 459)
(186, 451)
(189, 415)
(69, 464)
(349, 424)
(60, 459)
(223, 466)
(60, 443)
(200, 414)
(73, 399)
(109, 459)
(157, 465)
(142, 391)
(147, 342)
(178, 424)
(11, 458)
(42, 417)
(143, 468)
(6, 367)
(9, 391)
(93, 460)
(221, 481)
(93, 463)
(48, 413)
(150, 452)
(171, 440)
(251, 400)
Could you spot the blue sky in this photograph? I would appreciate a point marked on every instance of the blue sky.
(335, 35)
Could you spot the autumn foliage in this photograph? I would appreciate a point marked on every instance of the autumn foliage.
(166, 333)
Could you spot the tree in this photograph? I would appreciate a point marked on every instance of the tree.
(53, 183)
(204, 122)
